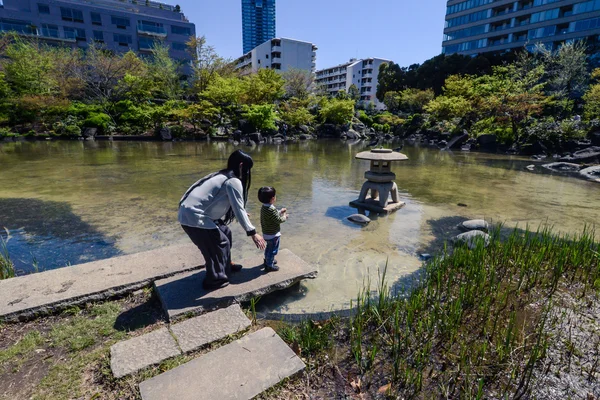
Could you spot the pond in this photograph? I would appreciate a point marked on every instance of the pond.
(66, 203)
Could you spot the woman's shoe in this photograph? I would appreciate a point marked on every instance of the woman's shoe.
(236, 267)
(215, 286)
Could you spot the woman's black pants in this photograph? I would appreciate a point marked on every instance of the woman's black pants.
(215, 245)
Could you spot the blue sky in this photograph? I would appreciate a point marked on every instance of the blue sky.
(405, 31)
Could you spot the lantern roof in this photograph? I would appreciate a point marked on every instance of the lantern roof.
(381, 155)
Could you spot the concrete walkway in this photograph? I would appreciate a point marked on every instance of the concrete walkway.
(182, 295)
(238, 371)
(37, 294)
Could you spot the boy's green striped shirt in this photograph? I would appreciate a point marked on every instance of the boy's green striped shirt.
(270, 220)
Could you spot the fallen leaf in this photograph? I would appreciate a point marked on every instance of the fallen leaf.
(384, 389)
(355, 384)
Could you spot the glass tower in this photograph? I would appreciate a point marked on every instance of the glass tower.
(258, 22)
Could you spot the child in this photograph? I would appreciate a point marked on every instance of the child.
(270, 221)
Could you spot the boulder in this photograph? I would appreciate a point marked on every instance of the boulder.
(304, 129)
(471, 239)
(474, 225)
(359, 219)
(256, 137)
(237, 135)
(388, 136)
(595, 138)
(245, 127)
(165, 133)
(90, 133)
(329, 130)
(352, 134)
(303, 136)
(457, 141)
(222, 131)
(562, 167)
(359, 127)
(442, 144)
(589, 155)
(591, 173)
(488, 142)
(465, 147)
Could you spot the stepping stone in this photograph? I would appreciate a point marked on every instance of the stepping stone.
(32, 295)
(182, 295)
(474, 225)
(240, 370)
(143, 351)
(471, 239)
(195, 333)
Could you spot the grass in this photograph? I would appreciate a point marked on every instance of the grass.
(474, 327)
(7, 268)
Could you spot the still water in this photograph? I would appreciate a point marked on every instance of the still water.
(66, 203)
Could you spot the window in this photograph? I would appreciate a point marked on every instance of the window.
(98, 36)
(179, 46)
(122, 40)
(74, 33)
(96, 19)
(121, 23)
(43, 8)
(50, 30)
(70, 14)
(146, 43)
(180, 30)
(8, 25)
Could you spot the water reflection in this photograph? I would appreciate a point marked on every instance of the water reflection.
(124, 196)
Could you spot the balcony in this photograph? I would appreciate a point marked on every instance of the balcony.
(152, 30)
(276, 60)
(276, 49)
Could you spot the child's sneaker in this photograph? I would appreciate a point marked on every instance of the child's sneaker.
(274, 268)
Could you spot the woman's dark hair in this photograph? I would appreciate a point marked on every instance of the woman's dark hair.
(239, 166)
(266, 193)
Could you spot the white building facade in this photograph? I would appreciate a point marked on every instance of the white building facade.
(280, 54)
(362, 73)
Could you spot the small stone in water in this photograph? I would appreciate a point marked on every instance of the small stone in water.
(425, 256)
(359, 219)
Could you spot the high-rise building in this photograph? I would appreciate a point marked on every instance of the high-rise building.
(479, 26)
(280, 54)
(258, 22)
(119, 25)
(363, 74)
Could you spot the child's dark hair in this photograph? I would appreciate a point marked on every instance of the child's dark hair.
(266, 193)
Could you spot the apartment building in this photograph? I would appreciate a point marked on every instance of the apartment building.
(281, 54)
(258, 22)
(479, 26)
(119, 25)
(362, 73)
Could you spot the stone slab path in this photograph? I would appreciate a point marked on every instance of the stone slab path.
(143, 351)
(182, 295)
(36, 294)
(152, 348)
(240, 370)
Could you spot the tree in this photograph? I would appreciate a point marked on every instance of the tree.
(207, 64)
(261, 116)
(413, 101)
(224, 92)
(264, 87)
(353, 92)
(295, 112)
(299, 83)
(198, 112)
(336, 111)
(29, 68)
(164, 72)
(592, 98)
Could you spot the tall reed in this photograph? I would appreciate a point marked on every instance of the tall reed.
(475, 325)
(7, 268)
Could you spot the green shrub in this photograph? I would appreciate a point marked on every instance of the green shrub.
(262, 117)
(364, 118)
(336, 111)
(72, 131)
(6, 133)
(101, 121)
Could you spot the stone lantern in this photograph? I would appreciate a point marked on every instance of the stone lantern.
(380, 182)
